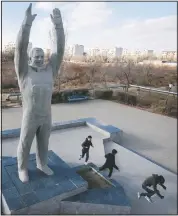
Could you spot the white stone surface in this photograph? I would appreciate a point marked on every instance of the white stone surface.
(67, 144)
(150, 134)
(67, 208)
(133, 171)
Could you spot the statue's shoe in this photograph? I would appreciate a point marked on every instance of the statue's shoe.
(23, 175)
(45, 169)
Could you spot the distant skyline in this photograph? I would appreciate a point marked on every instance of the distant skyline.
(131, 25)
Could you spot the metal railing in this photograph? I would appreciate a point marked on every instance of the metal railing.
(135, 86)
(154, 90)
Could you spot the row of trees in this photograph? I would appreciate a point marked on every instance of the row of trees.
(125, 71)
(108, 59)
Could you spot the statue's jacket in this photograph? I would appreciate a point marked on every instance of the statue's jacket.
(36, 89)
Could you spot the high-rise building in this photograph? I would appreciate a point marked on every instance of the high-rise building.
(104, 52)
(94, 52)
(125, 52)
(116, 52)
(169, 54)
(78, 50)
(68, 51)
(148, 53)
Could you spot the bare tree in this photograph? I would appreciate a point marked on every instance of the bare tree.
(139, 74)
(118, 67)
(8, 56)
(148, 71)
(93, 71)
(90, 76)
(166, 103)
(104, 76)
(127, 73)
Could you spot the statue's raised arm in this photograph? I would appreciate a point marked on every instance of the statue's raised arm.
(58, 41)
(21, 56)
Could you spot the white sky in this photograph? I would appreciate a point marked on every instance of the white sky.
(98, 25)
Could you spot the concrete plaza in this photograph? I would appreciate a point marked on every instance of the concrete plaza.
(134, 169)
(152, 135)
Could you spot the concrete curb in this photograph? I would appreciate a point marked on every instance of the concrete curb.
(114, 134)
(108, 130)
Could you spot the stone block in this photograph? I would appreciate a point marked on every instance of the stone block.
(14, 204)
(78, 181)
(30, 199)
(10, 133)
(7, 185)
(68, 124)
(11, 193)
(112, 200)
(67, 207)
(114, 133)
(19, 197)
(8, 161)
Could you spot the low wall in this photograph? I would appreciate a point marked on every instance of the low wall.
(113, 133)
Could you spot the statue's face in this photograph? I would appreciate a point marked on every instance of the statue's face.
(37, 57)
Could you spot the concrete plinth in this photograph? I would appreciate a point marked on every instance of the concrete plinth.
(42, 194)
(98, 200)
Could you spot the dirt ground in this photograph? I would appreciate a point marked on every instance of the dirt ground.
(93, 179)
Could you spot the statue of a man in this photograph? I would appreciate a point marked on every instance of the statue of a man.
(36, 83)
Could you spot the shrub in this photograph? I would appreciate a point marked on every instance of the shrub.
(106, 95)
(65, 95)
(9, 86)
(103, 94)
(121, 96)
(158, 107)
(62, 96)
(56, 97)
(98, 93)
(171, 109)
(147, 101)
(129, 98)
(132, 100)
(83, 92)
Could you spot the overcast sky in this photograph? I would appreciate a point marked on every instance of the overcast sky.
(131, 25)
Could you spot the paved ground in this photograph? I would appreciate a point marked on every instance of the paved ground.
(131, 176)
(150, 134)
(133, 168)
(67, 144)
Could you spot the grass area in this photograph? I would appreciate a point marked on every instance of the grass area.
(165, 104)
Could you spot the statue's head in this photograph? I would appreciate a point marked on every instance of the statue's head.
(36, 57)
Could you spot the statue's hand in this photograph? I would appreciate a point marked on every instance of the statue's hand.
(56, 17)
(29, 18)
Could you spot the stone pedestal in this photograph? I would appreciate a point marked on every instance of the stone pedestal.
(106, 201)
(42, 194)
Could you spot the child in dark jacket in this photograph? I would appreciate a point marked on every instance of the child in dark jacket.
(110, 162)
(153, 181)
(85, 148)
